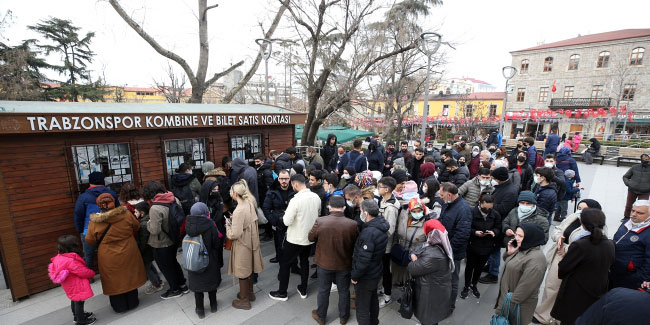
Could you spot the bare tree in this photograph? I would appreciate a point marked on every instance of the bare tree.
(472, 111)
(173, 91)
(199, 79)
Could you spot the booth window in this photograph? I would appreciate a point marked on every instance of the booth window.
(178, 151)
(112, 159)
(246, 146)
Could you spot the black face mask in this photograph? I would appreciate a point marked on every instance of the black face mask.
(519, 146)
(492, 150)
(485, 210)
(645, 163)
(461, 163)
(521, 158)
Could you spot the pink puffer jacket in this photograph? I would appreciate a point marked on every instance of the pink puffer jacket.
(70, 271)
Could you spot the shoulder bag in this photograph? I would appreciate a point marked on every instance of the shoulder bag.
(502, 318)
(407, 300)
(103, 234)
(399, 255)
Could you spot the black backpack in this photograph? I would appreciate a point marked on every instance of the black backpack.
(175, 221)
(185, 195)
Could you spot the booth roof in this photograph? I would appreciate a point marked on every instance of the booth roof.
(342, 133)
(13, 107)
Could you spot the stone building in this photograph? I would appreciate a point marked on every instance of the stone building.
(588, 72)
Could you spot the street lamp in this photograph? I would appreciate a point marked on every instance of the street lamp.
(429, 46)
(262, 42)
(508, 73)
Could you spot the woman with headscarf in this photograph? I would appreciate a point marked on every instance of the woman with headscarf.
(119, 259)
(409, 234)
(565, 233)
(594, 149)
(210, 195)
(347, 177)
(431, 266)
(523, 272)
(427, 171)
(431, 197)
(198, 223)
(584, 270)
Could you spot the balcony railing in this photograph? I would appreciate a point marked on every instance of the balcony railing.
(580, 102)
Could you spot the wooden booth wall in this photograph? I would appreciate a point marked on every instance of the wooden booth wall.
(38, 187)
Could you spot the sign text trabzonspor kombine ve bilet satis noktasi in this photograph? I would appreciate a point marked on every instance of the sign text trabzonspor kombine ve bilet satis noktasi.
(105, 122)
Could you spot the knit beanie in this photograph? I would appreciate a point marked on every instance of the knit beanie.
(199, 209)
(569, 173)
(500, 174)
(527, 196)
(399, 176)
(96, 178)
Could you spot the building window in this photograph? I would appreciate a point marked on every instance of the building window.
(144, 93)
(568, 92)
(596, 91)
(246, 146)
(573, 62)
(524, 67)
(469, 110)
(191, 151)
(543, 94)
(521, 93)
(603, 60)
(112, 159)
(637, 56)
(493, 110)
(445, 110)
(548, 64)
(628, 92)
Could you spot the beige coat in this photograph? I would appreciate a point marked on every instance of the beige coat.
(245, 255)
(523, 274)
(402, 236)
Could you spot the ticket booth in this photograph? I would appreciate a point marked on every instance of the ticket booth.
(48, 149)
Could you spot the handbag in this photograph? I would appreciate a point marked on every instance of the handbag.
(399, 255)
(502, 318)
(407, 300)
(227, 244)
(261, 218)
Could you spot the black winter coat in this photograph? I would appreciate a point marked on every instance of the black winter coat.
(458, 178)
(618, 307)
(492, 221)
(320, 191)
(546, 197)
(375, 160)
(248, 173)
(283, 162)
(413, 167)
(432, 274)
(215, 204)
(264, 178)
(369, 250)
(584, 273)
(329, 151)
(457, 219)
(389, 157)
(274, 205)
(505, 197)
(527, 176)
(210, 278)
(560, 183)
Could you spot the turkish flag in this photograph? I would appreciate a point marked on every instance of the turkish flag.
(554, 88)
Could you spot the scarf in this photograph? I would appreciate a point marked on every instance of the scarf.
(524, 215)
(437, 235)
(581, 233)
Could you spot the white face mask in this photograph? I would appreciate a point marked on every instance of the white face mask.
(494, 183)
(484, 182)
(548, 165)
(345, 176)
(537, 180)
(351, 204)
(474, 154)
(525, 208)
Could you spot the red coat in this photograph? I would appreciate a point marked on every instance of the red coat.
(70, 271)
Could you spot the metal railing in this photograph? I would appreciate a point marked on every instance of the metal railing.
(580, 102)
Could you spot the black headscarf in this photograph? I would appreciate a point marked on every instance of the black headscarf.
(595, 144)
(533, 235)
(591, 204)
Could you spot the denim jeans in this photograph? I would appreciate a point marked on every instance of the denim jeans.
(494, 261)
(89, 252)
(152, 274)
(342, 281)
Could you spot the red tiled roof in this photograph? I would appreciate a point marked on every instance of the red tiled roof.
(474, 80)
(593, 38)
(494, 95)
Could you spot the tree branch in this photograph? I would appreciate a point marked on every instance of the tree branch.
(222, 73)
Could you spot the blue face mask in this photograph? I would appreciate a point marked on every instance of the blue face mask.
(417, 215)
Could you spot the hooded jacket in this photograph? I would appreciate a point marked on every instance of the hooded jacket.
(564, 161)
(637, 179)
(283, 162)
(329, 151)
(118, 256)
(375, 158)
(214, 202)
(89, 197)
(264, 178)
(247, 173)
(369, 250)
(210, 278)
(546, 197)
(69, 270)
(157, 225)
(457, 219)
(182, 180)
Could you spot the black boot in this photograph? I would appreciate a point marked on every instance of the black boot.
(198, 302)
(213, 301)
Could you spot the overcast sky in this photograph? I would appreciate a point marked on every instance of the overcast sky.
(484, 31)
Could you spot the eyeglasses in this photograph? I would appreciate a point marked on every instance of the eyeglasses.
(284, 179)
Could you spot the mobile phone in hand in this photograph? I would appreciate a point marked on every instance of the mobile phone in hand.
(514, 243)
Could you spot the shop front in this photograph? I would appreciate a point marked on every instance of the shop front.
(47, 151)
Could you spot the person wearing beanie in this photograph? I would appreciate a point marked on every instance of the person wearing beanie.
(84, 207)
(505, 199)
(401, 178)
(198, 223)
(526, 212)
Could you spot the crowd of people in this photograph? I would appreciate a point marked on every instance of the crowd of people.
(377, 221)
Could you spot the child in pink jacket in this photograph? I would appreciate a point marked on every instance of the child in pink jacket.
(69, 269)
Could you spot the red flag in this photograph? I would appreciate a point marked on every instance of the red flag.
(553, 89)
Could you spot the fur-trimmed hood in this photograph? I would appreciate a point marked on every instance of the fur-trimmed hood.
(104, 216)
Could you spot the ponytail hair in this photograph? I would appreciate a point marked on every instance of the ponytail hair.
(241, 188)
(593, 220)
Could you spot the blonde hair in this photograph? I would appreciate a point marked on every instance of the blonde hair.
(241, 189)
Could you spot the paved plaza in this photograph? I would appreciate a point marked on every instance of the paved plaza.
(602, 183)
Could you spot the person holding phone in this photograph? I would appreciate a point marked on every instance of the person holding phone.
(523, 271)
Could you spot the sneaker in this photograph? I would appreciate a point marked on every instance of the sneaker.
(185, 289)
(385, 301)
(489, 279)
(171, 294)
(153, 289)
(475, 292)
(89, 315)
(464, 293)
(87, 321)
(303, 294)
(334, 288)
(276, 295)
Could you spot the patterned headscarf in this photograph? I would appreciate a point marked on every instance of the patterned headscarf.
(364, 179)
(415, 203)
(437, 235)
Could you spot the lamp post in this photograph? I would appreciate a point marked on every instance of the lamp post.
(508, 73)
(429, 46)
(262, 42)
